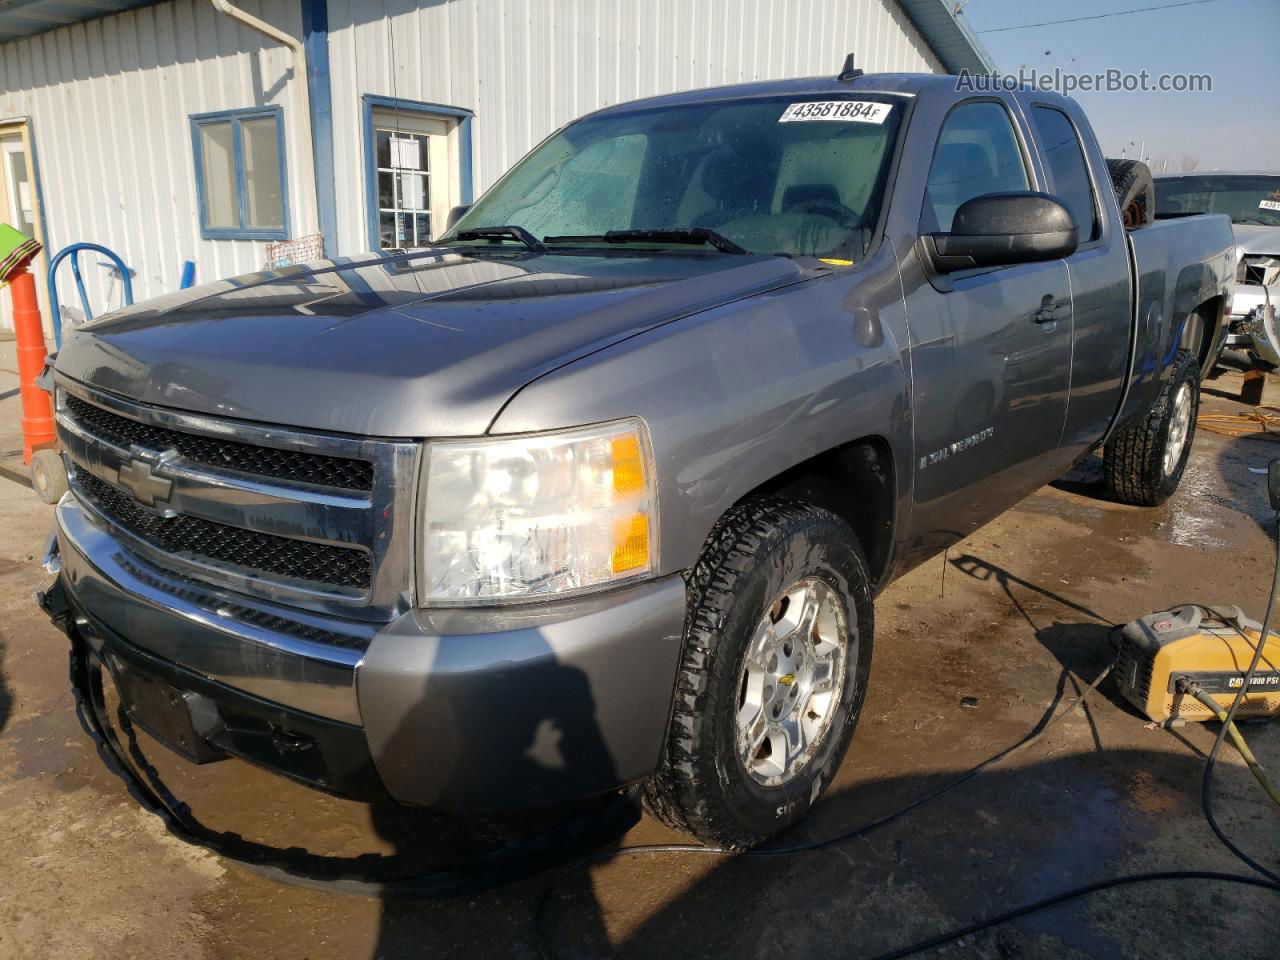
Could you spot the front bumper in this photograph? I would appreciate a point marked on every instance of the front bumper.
(468, 709)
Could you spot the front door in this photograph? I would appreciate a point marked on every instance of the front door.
(19, 203)
(990, 349)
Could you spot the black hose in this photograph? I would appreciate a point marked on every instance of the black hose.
(1206, 784)
(1066, 896)
(1271, 881)
(1042, 727)
(1237, 739)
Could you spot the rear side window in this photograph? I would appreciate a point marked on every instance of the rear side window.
(977, 154)
(1070, 176)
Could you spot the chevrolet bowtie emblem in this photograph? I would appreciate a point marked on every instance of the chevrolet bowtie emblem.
(137, 477)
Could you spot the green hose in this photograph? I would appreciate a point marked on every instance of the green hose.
(1255, 767)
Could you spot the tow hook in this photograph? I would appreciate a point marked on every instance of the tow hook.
(286, 741)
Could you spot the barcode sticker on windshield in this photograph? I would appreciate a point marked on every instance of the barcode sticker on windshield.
(1270, 205)
(856, 111)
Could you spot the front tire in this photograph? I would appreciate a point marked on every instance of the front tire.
(775, 665)
(1144, 461)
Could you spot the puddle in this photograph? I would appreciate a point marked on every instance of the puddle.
(1217, 500)
(36, 745)
(1113, 522)
(1195, 512)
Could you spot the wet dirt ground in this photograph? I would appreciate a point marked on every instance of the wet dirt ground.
(971, 652)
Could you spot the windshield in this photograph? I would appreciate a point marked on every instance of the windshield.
(1245, 199)
(772, 176)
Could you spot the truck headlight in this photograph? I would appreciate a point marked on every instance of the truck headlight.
(538, 515)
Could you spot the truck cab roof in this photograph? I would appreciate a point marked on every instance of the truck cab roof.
(901, 84)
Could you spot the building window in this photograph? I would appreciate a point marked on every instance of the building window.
(240, 174)
(418, 165)
(404, 165)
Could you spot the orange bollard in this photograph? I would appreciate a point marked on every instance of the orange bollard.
(37, 407)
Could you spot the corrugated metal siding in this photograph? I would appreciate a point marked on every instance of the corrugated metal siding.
(109, 102)
(528, 66)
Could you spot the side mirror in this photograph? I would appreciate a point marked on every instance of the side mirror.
(998, 229)
(455, 215)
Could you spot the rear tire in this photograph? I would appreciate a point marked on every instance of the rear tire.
(1135, 192)
(743, 687)
(1144, 461)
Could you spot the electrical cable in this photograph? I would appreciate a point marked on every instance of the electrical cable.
(1255, 424)
(1268, 880)
(1041, 728)
(1237, 739)
(1206, 784)
(1075, 893)
(1097, 16)
(1066, 896)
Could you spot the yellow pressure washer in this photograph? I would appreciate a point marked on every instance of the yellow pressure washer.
(1208, 663)
(1163, 654)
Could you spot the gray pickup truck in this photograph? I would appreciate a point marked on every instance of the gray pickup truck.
(598, 490)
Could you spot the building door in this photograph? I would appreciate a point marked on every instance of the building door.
(19, 204)
(413, 176)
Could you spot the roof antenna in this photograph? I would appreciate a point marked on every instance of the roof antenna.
(849, 71)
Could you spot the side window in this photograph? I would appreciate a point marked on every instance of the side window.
(1067, 168)
(977, 153)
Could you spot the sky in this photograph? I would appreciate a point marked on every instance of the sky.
(1236, 126)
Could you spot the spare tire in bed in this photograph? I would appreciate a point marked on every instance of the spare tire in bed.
(1135, 191)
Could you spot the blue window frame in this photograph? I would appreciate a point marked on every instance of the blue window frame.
(241, 177)
(372, 102)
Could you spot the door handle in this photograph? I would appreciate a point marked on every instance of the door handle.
(1048, 312)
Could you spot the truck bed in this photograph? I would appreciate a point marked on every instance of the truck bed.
(1177, 265)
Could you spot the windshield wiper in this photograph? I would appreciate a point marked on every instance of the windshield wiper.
(694, 235)
(509, 232)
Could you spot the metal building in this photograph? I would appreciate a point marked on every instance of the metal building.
(205, 131)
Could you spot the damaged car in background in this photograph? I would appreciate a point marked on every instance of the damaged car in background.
(1252, 200)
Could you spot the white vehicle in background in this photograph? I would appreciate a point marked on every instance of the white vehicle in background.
(1252, 200)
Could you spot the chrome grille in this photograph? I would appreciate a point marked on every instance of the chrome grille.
(290, 516)
(324, 471)
(249, 549)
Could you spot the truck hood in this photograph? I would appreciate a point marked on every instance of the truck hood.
(420, 345)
